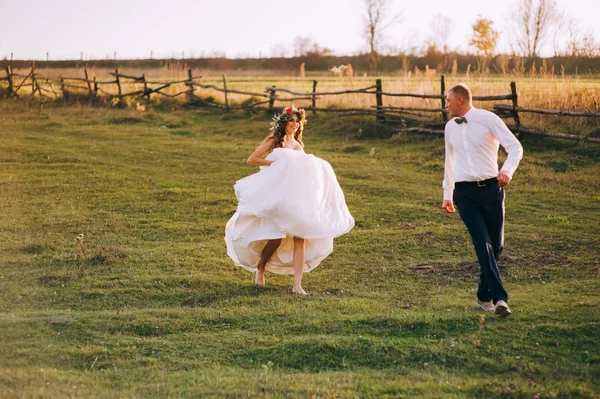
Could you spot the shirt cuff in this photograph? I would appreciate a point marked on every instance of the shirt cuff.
(448, 194)
(508, 172)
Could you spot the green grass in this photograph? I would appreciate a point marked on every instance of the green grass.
(155, 308)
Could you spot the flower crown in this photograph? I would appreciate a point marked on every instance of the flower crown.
(285, 115)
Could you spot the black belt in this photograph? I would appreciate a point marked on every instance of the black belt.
(481, 183)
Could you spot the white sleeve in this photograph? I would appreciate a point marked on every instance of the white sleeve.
(510, 143)
(448, 183)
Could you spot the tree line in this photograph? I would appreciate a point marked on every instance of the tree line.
(319, 65)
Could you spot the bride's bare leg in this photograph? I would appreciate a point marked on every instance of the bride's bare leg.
(298, 265)
(266, 254)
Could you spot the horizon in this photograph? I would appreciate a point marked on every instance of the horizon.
(417, 56)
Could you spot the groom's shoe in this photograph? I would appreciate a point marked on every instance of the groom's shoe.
(486, 306)
(502, 309)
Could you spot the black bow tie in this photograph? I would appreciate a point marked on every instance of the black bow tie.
(460, 120)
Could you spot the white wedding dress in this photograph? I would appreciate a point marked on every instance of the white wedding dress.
(298, 195)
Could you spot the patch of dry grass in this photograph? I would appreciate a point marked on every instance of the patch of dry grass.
(537, 89)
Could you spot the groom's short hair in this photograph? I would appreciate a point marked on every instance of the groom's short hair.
(461, 90)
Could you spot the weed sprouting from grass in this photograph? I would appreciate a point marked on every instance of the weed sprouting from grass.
(559, 219)
(82, 259)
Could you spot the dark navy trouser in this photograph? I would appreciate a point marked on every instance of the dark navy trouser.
(482, 211)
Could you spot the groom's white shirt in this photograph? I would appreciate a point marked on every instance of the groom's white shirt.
(472, 149)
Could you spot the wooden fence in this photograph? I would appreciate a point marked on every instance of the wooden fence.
(17, 84)
(69, 85)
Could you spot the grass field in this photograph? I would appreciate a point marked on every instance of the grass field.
(152, 307)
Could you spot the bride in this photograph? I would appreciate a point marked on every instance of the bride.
(290, 211)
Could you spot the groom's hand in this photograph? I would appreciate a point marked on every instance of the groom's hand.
(448, 206)
(503, 179)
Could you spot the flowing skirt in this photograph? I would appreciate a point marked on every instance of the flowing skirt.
(298, 195)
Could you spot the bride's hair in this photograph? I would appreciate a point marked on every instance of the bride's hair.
(279, 131)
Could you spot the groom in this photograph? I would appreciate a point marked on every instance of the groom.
(473, 182)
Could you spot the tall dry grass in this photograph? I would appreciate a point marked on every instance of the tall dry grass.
(537, 87)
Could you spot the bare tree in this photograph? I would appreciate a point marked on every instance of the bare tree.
(566, 32)
(532, 22)
(305, 46)
(279, 50)
(584, 46)
(441, 28)
(302, 45)
(571, 40)
(377, 19)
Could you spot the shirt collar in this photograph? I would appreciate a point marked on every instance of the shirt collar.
(469, 112)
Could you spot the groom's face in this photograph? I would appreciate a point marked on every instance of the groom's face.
(454, 104)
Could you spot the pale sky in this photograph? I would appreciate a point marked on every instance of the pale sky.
(251, 28)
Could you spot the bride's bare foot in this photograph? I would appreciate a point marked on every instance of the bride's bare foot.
(260, 277)
(298, 290)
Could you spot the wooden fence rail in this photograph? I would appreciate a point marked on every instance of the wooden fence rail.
(265, 101)
(557, 112)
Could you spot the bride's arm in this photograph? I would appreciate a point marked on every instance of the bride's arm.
(256, 159)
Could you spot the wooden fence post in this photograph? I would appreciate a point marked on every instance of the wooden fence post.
(190, 85)
(118, 82)
(95, 93)
(225, 92)
(87, 81)
(272, 98)
(9, 90)
(32, 79)
(513, 90)
(62, 87)
(314, 97)
(379, 98)
(443, 92)
(146, 91)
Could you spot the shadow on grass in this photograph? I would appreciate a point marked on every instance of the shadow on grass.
(543, 145)
(168, 292)
(211, 294)
(37, 249)
(320, 354)
(54, 280)
(469, 270)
